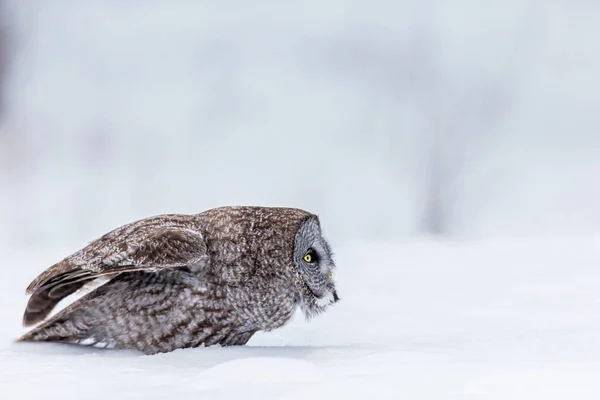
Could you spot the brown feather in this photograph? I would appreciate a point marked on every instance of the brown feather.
(145, 245)
(179, 281)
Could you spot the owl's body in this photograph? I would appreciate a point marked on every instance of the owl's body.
(178, 281)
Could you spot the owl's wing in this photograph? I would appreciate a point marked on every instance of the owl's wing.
(147, 246)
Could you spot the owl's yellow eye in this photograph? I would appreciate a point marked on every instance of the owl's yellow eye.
(311, 257)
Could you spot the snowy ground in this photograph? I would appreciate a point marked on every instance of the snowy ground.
(363, 112)
(494, 319)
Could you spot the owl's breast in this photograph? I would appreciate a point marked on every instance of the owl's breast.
(262, 305)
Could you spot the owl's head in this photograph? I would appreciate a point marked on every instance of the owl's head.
(313, 267)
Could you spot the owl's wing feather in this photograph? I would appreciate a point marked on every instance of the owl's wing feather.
(147, 247)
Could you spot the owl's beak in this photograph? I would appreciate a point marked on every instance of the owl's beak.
(335, 297)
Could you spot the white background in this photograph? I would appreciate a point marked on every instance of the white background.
(451, 149)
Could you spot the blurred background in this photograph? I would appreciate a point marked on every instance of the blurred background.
(388, 118)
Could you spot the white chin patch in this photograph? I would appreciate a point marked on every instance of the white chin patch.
(325, 300)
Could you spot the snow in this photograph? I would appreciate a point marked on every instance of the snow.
(426, 319)
(390, 119)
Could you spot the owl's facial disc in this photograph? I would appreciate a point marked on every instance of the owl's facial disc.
(313, 263)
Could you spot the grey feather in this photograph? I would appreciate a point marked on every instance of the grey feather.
(177, 281)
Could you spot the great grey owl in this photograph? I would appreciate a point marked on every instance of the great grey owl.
(178, 281)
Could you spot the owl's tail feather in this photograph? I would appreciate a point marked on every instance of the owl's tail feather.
(59, 329)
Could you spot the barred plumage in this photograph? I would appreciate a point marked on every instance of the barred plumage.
(177, 281)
